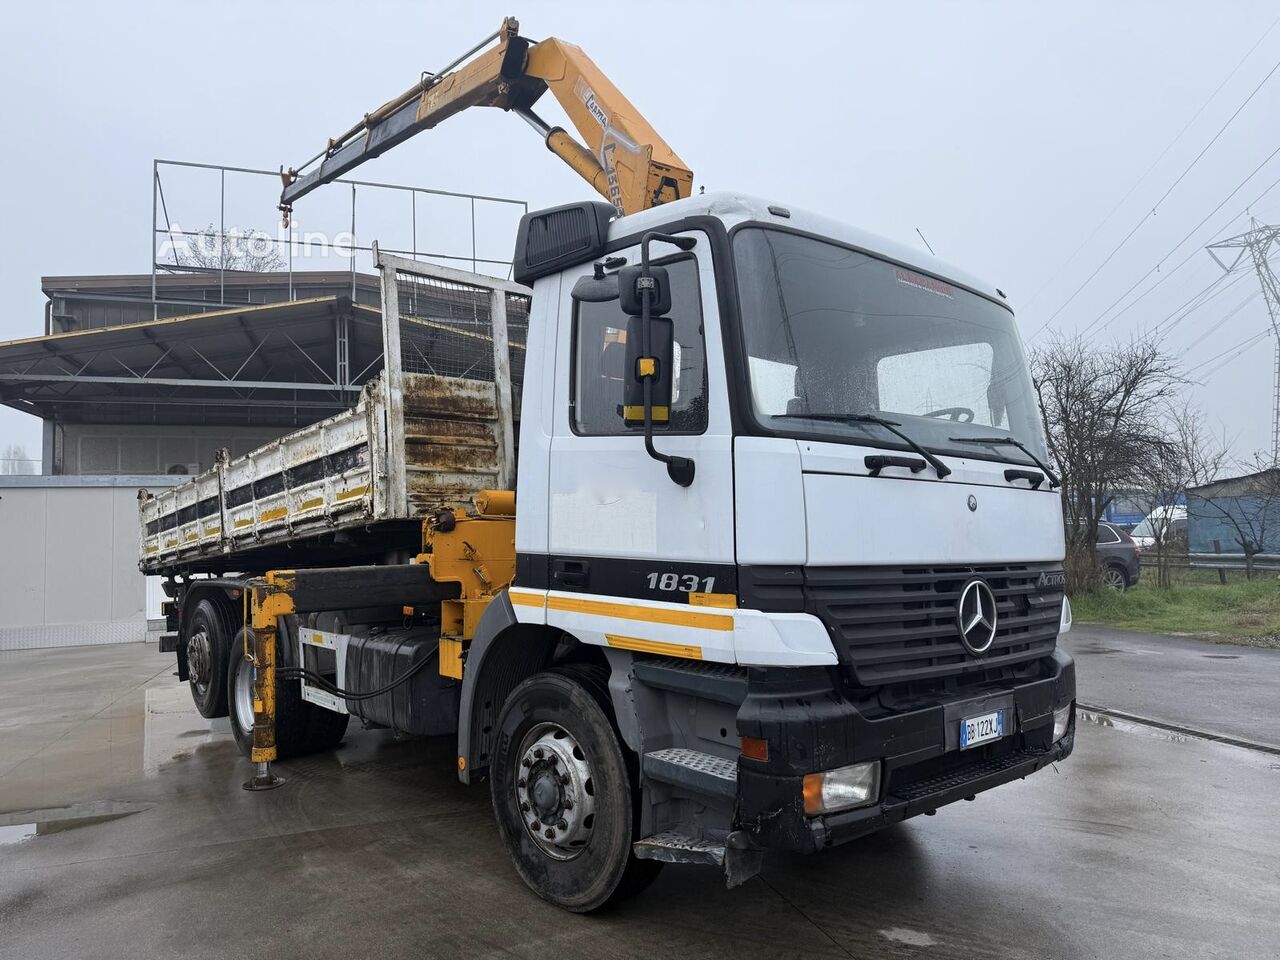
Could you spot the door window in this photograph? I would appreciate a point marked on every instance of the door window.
(600, 352)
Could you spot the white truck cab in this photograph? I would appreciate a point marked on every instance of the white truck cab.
(865, 570)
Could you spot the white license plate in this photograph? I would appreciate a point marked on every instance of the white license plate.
(976, 730)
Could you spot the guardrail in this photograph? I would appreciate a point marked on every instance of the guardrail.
(1211, 561)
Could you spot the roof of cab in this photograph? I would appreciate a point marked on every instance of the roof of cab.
(735, 208)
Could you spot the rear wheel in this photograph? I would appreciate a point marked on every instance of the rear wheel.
(301, 727)
(1113, 578)
(563, 796)
(208, 640)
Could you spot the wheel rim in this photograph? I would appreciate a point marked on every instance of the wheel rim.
(198, 658)
(554, 791)
(1113, 579)
(243, 696)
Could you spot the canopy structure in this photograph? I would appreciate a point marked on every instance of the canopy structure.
(284, 364)
(276, 364)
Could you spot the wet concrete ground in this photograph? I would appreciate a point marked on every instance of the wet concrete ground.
(1145, 843)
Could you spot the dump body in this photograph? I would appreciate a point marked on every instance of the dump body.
(415, 442)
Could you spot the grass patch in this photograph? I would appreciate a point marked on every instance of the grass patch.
(1241, 610)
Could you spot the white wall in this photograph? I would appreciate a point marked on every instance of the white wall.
(69, 564)
(150, 449)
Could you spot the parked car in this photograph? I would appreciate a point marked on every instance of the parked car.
(1171, 521)
(1120, 557)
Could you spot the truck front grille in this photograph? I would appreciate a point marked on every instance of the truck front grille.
(898, 624)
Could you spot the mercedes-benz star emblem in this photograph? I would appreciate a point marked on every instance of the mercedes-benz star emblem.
(976, 616)
(973, 503)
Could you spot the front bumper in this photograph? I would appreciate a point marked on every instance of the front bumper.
(810, 727)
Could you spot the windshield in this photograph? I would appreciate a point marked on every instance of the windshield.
(831, 331)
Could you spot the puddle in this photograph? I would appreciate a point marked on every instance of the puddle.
(914, 938)
(25, 824)
(1160, 730)
(1221, 656)
(1102, 720)
(173, 730)
(1091, 650)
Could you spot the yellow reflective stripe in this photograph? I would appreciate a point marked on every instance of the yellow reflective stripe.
(684, 650)
(525, 599)
(311, 504)
(276, 514)
(353, 492)
(247, 521)
(727, 600)
(626, 611)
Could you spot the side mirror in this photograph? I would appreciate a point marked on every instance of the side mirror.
(632, 282)
(662, 339)
(595, 289)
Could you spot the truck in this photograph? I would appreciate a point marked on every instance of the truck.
(722, 528)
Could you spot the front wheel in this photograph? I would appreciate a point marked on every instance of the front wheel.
(1113, 578)
(562, 794)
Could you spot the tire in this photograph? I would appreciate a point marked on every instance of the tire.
(208, 644)
(588, 864)
(1114, 578)
(301, 727)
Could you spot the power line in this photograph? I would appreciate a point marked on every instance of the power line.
(1221, 320)
(1150, 213)
(1163, 153)
(1177, 316)
(1165, 275)
(1187, 237)
(1235, 351)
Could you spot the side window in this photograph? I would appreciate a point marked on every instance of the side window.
(600, 354)
(1107, 535)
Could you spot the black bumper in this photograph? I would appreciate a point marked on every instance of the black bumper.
(810, 726)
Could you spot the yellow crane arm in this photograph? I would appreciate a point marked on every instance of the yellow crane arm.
(623, 158)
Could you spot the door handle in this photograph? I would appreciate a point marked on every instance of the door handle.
(570, 573)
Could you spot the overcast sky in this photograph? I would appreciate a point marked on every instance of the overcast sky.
(1006, 132)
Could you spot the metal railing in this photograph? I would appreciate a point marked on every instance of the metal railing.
(295, 240)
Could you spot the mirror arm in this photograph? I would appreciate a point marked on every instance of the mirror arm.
(679, 469)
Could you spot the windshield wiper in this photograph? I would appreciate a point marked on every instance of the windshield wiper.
(891, 425)
(1013, 442)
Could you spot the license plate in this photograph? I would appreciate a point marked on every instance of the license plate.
(976, 730)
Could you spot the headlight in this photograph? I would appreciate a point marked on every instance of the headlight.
(1062, 720)
(842, 788)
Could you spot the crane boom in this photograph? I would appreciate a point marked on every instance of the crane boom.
(623, 158)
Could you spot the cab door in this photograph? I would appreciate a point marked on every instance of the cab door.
(618, 525)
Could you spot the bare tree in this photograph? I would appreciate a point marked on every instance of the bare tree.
(236, 249)
(1188, 456)
(1247, 506)
(14, 459)
(1102, 409)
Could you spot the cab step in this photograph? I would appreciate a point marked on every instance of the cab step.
(736, 859)
(693, 770)
(674, 847)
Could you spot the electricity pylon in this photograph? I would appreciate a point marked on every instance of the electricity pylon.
(1257, 243)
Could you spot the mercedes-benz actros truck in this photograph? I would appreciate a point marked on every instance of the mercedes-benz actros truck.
(722, 528)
